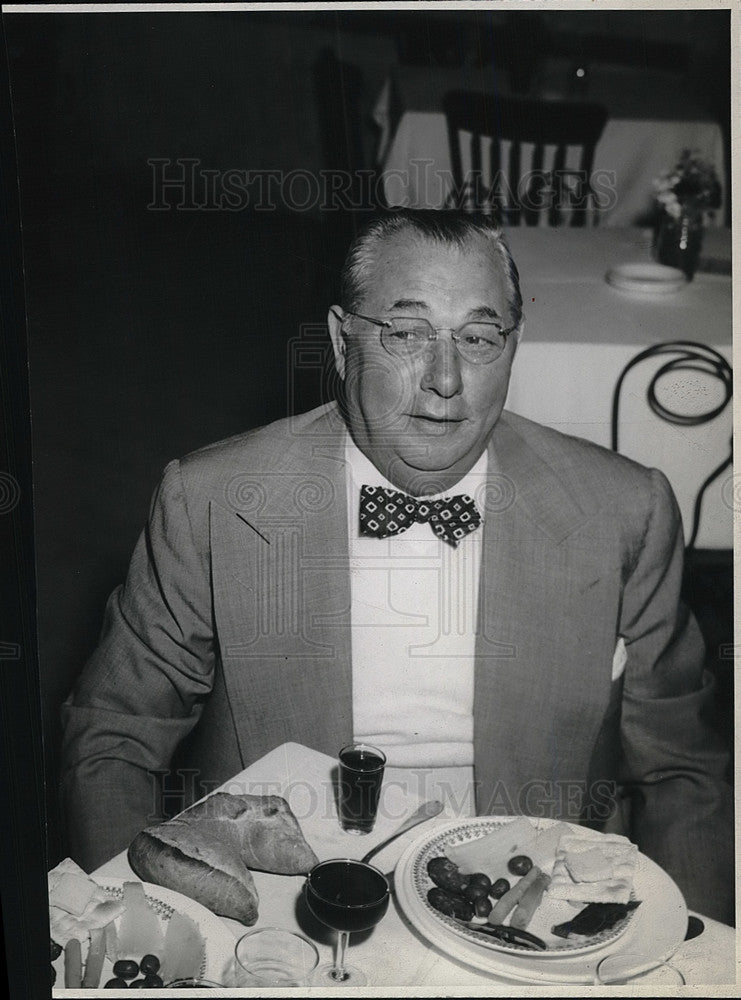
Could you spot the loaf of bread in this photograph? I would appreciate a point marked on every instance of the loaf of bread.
(207, 851)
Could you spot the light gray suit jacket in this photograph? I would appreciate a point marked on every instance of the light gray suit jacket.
(235, 616)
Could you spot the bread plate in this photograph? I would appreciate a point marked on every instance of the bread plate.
(646, 278)
(659, 923)
(218, 940)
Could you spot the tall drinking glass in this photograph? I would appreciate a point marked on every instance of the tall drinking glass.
(347, 896)
(361, 777)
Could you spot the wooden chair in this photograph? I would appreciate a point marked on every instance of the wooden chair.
(530, 160)
(708, 578)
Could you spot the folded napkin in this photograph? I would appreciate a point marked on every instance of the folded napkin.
(594, 870)
(77, 904)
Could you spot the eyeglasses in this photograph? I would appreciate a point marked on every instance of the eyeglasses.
(406, 336)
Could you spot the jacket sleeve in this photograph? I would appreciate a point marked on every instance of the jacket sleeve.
(143, 688)
(675, 765)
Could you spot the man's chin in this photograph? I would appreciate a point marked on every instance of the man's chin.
(427, 475)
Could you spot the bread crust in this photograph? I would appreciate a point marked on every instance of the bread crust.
(207, 851)
(155, 860)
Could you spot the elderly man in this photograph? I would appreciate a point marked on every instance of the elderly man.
(486, 599)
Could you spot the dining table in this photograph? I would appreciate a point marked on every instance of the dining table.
(653, 115)
(580, 333)
(396, 957)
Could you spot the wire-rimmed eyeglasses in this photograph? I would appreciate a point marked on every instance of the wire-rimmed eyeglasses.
(478, 342)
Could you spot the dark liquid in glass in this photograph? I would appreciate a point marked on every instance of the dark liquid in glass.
(347, 895)
(361, 777)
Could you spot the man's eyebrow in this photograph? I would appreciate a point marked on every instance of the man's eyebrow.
(483, 312)
(479, 312)
(410, 304)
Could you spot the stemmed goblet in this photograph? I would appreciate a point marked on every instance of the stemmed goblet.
(347, 896)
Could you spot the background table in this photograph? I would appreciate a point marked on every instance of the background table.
(394, 954)
(651, 120)
(579, 334)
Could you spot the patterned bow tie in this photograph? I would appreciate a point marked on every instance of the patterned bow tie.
(385, 512)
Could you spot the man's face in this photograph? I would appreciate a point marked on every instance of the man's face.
(424, 421)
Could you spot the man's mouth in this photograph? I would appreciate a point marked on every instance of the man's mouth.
(436, 424)
(435, 419)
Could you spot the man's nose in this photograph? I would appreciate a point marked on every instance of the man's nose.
(442, 367)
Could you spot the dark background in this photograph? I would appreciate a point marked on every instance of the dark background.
(151, 333)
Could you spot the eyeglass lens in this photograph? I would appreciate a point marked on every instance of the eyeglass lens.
(476, 342)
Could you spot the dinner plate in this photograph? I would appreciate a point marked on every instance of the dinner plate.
(646, 278)
(658, 924)
(219, 941)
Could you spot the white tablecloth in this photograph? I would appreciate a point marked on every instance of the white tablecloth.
(632, 152)
(394, 955)
(580, 332)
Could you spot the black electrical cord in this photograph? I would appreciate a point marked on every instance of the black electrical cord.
(690, 356)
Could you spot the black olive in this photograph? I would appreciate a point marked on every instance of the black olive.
(56, 949)
(446, 875)
(474, 891)
(126, 968)
(116, 984)
(520, 864)
(479, 878)
(152, 981)
(482, 907)
(499, 888)
(150, 965)
(450, 905)
(138, 984)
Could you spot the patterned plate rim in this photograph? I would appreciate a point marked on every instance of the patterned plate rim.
(157, 897)
(436, 840)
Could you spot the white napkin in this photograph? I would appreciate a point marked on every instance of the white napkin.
(594, 871)
(619, 659)
(77, 904)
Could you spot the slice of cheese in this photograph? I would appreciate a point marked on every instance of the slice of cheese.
(183, 950)
(139, 930)
(542, 852)
(489, 854)
(111, 942)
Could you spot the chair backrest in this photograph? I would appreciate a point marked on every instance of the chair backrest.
(530, 160)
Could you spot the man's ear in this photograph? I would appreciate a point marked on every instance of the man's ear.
(519, 332)
(334, 322)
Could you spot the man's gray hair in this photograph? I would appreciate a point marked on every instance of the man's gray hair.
(448, 226)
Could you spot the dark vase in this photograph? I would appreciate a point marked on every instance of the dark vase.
(679, 241)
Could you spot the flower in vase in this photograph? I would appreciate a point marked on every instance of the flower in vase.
(691, 186)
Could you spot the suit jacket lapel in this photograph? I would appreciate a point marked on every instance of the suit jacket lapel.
(282, 595)
(539, 573)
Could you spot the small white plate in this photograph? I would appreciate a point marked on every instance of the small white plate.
(219, 941)
(646, 278)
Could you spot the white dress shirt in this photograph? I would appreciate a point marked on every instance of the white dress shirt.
(413, 615)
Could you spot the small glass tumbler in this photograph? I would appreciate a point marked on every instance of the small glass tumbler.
(361, 777)
(273, 957)
(641, 970)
